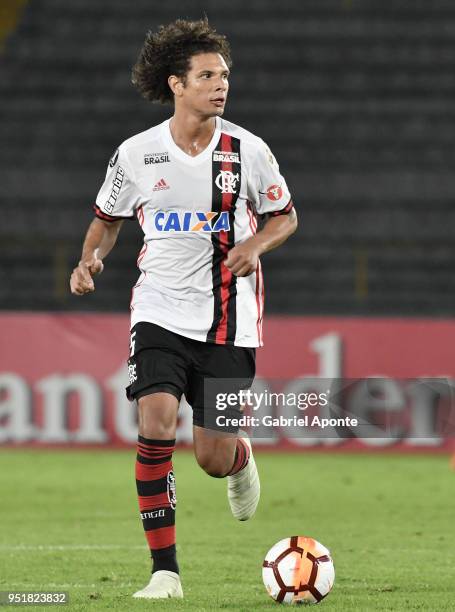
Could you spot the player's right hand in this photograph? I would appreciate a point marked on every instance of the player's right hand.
(81, 281)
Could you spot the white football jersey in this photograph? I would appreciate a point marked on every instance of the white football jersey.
(192, 211)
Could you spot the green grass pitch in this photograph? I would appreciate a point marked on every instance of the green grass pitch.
(69, 521)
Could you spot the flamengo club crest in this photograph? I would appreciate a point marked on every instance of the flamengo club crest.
(274, 192)
(226, 181)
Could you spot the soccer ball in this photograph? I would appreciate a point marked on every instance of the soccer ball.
(298, 570)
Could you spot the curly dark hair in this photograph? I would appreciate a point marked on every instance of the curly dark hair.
(169, 51)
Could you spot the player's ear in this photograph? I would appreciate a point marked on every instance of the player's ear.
(176, 85)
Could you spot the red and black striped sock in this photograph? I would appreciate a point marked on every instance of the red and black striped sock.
(242, 456)
(156, 491)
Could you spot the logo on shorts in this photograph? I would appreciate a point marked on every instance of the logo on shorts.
(171, 489)
(132, 372)
(227, 181)
(132, 343)
(274, 192)
(191, 221)
(156, 158)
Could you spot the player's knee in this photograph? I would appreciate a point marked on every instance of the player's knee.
(212, 466)
(157, 433)
(156, 427)
(156, 422)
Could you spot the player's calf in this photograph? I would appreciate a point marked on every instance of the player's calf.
(157, 500)
(214, 453)
(217, 467)
(232, 457)
(244, 487)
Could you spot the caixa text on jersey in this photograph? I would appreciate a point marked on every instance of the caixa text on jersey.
(191, 221)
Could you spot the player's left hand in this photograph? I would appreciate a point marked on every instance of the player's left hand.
(242, 260)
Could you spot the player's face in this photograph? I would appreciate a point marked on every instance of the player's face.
(206, 84)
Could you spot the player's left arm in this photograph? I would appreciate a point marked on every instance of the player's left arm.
(242, 260)
(268, 192)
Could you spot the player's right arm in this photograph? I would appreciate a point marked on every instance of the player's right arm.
(100, 238)
(117, 200)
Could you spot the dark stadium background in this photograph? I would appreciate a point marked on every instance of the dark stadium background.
(355, 98)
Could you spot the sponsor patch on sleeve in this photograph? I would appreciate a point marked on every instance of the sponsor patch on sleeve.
(114, 158)
(116, 186)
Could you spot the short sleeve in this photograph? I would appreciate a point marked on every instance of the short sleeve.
(270, 192)
(118, 197)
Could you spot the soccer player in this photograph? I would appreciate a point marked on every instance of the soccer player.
(197, 184)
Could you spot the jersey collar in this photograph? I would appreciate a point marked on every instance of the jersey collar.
(189, 159)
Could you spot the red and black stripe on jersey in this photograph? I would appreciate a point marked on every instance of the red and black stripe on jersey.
(109, 218)
(284, 211)
(224, 283)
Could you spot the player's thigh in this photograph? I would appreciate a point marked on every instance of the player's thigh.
(219, 371)
(158, 370)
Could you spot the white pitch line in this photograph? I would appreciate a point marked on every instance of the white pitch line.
(76, 585)
(71, 547)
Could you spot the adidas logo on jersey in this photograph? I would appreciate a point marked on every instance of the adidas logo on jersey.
(161, 185)
(190, 221)
(226, 156)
